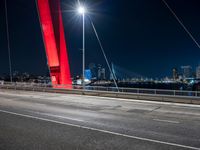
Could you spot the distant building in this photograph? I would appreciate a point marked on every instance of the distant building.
(175, 74)
(93, 69)
(88, 74)
(187, 71)
(101, 73)
(198, 72)
(113, 74)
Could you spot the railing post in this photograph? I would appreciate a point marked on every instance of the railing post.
(174, 92)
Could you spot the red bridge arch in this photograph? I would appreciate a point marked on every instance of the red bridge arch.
(55, 43)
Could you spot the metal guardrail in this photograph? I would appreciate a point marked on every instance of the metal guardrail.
(139, 91)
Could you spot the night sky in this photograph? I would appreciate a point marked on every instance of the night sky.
(139, 35)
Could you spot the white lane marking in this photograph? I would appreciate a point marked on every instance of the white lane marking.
(101, 130)
(168, 121)
(62, 117)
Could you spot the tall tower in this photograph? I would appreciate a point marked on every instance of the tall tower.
(187, 71)
(175, 74)
(54, 41)
(198, 72)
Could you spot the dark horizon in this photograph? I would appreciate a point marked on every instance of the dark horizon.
(140, 36)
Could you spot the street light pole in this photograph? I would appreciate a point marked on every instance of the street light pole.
(82, 10)
(8, 42)
(83, 82)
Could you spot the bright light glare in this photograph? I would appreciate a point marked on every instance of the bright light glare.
(81, 10)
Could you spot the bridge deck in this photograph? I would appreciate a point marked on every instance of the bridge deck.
(34, 120)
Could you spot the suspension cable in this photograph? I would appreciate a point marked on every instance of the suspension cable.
(104, 54)
(181, 23)
(8, 42)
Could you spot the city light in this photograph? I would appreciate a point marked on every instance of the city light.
(81, 10)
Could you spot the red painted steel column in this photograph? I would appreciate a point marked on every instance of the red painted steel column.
(54, 40)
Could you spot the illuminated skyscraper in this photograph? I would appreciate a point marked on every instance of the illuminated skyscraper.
(175, 74)
(198, 72)
(187, 71)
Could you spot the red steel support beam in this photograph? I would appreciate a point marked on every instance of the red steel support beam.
(54, 40)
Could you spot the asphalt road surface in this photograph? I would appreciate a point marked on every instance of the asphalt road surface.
(47, 121)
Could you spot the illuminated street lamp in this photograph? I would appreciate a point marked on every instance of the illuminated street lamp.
(82, 10)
